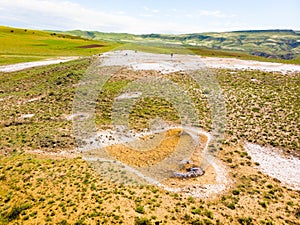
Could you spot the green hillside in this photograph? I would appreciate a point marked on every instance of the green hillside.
(268, 44)
(21, 45)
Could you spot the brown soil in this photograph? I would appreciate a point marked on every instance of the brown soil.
(129, 74)
(137, 158)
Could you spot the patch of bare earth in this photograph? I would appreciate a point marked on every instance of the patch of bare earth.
(140, 158)
(273, 162)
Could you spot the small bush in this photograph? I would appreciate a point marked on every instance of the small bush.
(208, 213)
(245, 220)
(197, 222)
(16, 211)
(196, 211)
(231, 205)
(142, 221)
(191, 199)
(297, 213)
(263, 204)
(63, 222)
(140, 209)
(229, 160)
(235, 192)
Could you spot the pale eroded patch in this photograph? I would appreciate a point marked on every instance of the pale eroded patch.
(272, 162)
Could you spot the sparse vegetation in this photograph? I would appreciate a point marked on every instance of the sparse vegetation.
(44, 189)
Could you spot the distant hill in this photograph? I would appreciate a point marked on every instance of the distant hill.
(25, 45)
(280, 44)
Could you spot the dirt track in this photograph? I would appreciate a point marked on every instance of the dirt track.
(21, 66)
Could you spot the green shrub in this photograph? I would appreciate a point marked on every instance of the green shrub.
(235, 192)
(191, 199)
(208, 213)
(197, 222)
(263, 204)
(63, 222)
(16, 211)
(231, 205)
(140, 209)
(142, 221)
(196, 211)
(245, 220)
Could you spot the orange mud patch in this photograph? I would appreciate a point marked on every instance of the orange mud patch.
(146, 158)
(209, 176)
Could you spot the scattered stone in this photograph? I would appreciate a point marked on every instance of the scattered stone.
(26, 116)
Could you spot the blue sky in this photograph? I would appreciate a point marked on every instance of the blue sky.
(151, 16)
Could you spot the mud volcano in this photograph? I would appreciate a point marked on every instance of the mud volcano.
(119, 162)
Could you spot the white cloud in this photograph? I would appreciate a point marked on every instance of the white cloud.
(150, 10)
(66, 15)
(214, 13)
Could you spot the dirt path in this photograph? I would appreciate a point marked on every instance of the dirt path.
(21, 66)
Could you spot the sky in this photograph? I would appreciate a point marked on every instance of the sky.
(151, 16)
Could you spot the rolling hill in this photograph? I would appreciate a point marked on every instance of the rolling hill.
(272, 44)
(22, 45)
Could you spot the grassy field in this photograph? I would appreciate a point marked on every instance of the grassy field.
(48, 93)
(22, 45)
(68, 191)
(41, 190)
(261, 107)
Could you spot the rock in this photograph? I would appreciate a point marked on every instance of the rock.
(193, 172)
